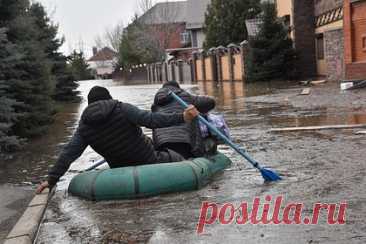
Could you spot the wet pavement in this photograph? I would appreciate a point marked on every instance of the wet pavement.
(317, 166)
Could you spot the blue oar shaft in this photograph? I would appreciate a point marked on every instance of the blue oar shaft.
(101, 162)
(220, 134)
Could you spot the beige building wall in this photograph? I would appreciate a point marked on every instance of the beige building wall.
(335, 25)
(284, 7)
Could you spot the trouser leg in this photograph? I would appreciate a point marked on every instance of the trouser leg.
(168, 156)
(184, 149)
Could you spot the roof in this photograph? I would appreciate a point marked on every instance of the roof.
(165, 13)
(104, 54)
(196, 10)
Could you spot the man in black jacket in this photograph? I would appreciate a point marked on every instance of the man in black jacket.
(112, 129)
(184, 139)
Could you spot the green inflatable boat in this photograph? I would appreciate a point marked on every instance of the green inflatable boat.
(147, 180)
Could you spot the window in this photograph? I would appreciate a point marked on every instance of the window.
(185, 38)
(320, 46)
(364, 43)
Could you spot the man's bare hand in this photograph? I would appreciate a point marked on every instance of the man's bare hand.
(190, 113)
(42, 187)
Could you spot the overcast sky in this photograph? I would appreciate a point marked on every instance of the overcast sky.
(82, 20)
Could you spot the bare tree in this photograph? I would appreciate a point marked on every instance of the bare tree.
(111, 38)
(99, 42)
(114, 36)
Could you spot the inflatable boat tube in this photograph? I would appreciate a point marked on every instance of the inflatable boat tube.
(147, 180)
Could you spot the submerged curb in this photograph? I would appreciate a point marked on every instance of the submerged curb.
(25, 230)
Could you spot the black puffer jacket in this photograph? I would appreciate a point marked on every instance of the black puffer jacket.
(185, 133)
(112, 129)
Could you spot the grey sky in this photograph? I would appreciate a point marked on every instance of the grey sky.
(83, 20)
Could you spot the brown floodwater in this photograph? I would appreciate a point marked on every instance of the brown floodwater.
(320, 166)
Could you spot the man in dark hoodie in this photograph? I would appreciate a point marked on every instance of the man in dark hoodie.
(184, 139)
(112, 129)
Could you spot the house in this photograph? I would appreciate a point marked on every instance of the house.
(178, 26)
(195, 19)
(329, 36)
(103, 62)
(168, 22)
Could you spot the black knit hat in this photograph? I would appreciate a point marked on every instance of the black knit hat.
(98, 93)
(172, 83)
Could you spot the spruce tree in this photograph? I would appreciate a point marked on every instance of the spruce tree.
(31, 67)
(65, 89)
(66, 83)
(8, 115)
(225, 21)
(32, 83)
(271, 54)
(78, 66)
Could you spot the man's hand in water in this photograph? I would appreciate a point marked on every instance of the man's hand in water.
(190, 113)
(42, 186)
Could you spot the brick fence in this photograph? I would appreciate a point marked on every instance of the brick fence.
(218, 64)
(178, 70)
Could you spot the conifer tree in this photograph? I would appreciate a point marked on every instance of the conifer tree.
(8, 115)
(225, 21)
(78, 66)
(65, 89)
(32, 83)
(66, 83)
(271, 54)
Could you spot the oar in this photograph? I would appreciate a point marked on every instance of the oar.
(101, 162)
(267, 174)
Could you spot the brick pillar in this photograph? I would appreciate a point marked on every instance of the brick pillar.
(172, 69)
(166, 72)
(194, 66)
(192, 70)
(203, 65)
(180, 71)
(158, 66)
(148, 73)
(243, 54)
(155, 73)
(304, 37)
(213, 64)
(231, 62)
(218, 64)
(152, 73)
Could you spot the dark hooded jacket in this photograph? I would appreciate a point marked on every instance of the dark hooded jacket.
(184, 133)
(112, 129)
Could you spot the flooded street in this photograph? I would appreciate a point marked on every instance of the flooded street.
(320, 166)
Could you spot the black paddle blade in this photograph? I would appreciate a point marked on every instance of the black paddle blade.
(269, 175)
